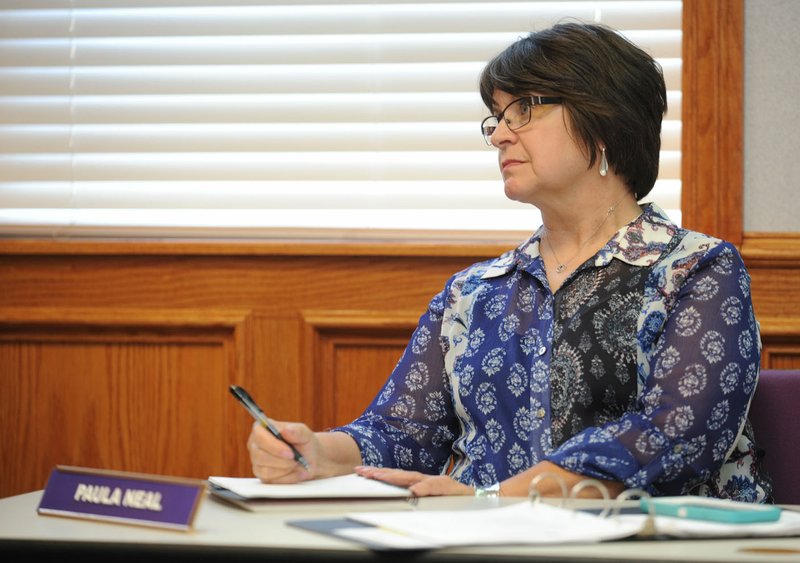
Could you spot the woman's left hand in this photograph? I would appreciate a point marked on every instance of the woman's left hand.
(419, 484)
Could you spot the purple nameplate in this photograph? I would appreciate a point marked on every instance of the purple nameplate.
(125, 498)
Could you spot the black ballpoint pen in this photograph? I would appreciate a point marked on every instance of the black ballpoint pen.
(251, 406)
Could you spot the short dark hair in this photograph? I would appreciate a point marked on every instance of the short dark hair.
(613, 91)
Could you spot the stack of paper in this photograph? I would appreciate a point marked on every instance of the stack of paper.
(520, 523)
(532, 523)
(345, 492)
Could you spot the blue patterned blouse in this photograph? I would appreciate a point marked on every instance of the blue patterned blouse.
(639, 369)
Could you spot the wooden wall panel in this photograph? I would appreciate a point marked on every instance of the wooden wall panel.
(773, 260)
(118, 390)
(781, 356)
(349, 355)
(137, 348)
(780, 339)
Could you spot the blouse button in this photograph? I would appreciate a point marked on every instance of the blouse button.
(677, 449)
(542, 350)
(540, 413)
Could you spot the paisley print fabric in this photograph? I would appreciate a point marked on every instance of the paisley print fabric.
(639, 369)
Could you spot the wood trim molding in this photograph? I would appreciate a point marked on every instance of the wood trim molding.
(780, 349)
(712, 152)
(124, 317)
(351, 319)
(779, 329)
(771, 250)
(781, 356)
(443, 246)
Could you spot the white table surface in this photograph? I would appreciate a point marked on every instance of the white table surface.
(227, 529)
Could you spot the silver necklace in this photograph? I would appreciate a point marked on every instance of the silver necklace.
(563, 265)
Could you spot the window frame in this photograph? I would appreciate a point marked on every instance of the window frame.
(711, 169)
(712, 147)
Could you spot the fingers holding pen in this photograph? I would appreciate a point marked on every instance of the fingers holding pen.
(273, 460)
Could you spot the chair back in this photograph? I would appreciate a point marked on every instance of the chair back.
(776, 424)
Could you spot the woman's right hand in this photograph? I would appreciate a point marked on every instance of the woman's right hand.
(273, 461)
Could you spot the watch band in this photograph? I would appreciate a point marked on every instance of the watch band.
(492, 491)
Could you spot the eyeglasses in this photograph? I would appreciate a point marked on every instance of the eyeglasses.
(517, 114)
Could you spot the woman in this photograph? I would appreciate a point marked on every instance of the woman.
(611, 345)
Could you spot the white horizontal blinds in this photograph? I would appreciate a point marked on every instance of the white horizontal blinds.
(266, 118)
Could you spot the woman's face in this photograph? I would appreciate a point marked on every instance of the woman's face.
(541, 159)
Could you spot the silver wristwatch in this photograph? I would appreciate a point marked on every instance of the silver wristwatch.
(492, 491)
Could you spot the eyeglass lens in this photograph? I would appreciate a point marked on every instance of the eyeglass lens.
(516, 114)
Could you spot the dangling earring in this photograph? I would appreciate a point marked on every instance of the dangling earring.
(603, 162)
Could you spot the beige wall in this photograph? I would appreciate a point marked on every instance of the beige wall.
(772, 116)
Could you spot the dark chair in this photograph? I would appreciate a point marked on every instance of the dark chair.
(775, 415)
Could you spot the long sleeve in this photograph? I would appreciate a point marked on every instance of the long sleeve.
(410, 424)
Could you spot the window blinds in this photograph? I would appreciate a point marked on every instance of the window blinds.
(271, 119)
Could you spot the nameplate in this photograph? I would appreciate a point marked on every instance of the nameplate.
(122, 497)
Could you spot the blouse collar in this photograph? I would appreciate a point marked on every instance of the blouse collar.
(639, 243)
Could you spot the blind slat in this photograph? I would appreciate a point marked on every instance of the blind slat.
(340, 224)
(408, 166)
(387, 107)
(471, 194)
(427, 77)
(274, 137)
(286, 49)
(301, 18)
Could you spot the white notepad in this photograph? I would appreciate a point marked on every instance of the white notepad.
(344, 486)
